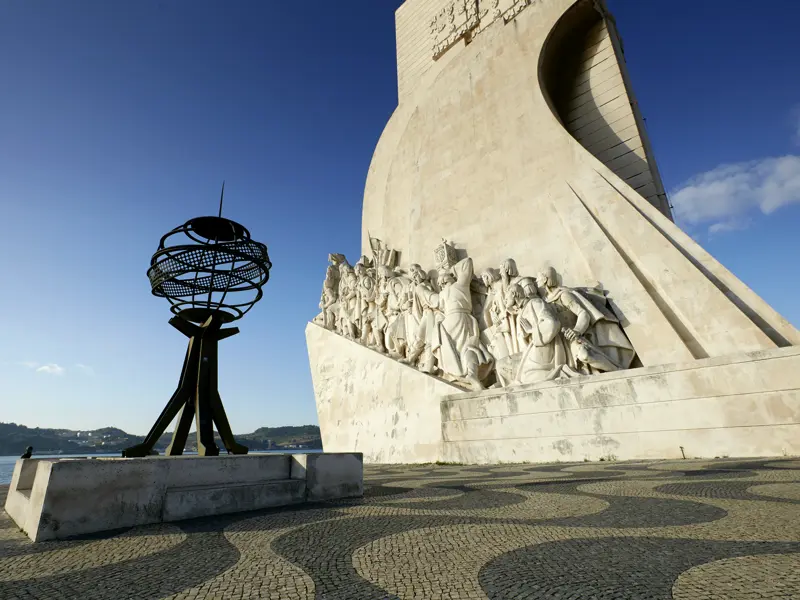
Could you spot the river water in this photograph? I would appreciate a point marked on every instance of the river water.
(7, 462)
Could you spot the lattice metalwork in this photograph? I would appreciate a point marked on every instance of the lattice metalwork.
(209, 265)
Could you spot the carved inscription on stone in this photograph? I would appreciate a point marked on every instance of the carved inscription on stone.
(462, 19)
(452, 23)
(442, 28)
(515, 7)
(489, 10)
(491, 330)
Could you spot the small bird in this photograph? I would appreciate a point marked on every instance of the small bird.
(28, 452)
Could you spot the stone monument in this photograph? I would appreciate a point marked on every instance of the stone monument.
(523, 293)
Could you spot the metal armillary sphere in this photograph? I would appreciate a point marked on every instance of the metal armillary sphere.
(212, 272)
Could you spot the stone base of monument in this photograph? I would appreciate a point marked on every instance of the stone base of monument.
(739, 405)
(55, 498)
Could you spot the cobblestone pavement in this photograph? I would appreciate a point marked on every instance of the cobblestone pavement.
(625, 530)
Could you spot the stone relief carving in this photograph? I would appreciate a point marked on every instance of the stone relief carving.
(453, 22)
(515, 7)
(496, 330)
(490, 10)
(465, 18)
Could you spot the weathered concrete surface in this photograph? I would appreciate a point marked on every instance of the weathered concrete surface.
(25, 497)
(331, 475)
(208, 500)
(60, 498)
(369, 403)
(746, 405)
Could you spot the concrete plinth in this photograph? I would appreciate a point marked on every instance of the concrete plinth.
(60, 498)
(745, 404)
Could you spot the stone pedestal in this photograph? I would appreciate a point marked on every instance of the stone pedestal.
(746, 404)
(60, 498)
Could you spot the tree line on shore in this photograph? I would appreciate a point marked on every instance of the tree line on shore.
(15, 438)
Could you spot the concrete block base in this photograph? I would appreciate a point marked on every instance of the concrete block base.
(59, 498)
(329, 476)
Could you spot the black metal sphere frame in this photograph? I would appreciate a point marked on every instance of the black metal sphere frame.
(215, 260)
(190, 274)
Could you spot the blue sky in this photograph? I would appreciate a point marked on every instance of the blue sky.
(119, 121)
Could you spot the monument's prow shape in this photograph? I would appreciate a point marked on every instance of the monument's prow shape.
(517, 134)
(526, 142)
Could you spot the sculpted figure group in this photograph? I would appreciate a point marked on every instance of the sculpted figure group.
(494, 331)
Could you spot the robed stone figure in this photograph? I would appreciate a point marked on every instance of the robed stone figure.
(595, 335)
(421, 329)
(546, 354)
(457, 345)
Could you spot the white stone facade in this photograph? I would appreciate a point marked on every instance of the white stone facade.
(517, 135)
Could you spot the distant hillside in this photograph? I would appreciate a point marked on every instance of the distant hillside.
(15, 438)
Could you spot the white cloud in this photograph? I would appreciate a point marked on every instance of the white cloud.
(51, 369)
(85, 369)
(723, 197)
(729, 225)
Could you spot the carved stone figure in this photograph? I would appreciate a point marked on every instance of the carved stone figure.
(348, 301)
(395, 302)
(508, 272)
(597, 341)
(458, 346)
(494, 314)
(424, 312)
(379, 308)
(514, 302)
(507, 321)
(330, 292)
(369, 320)
(546, 354)
(387, 327)
(588, 357)
(491, 310)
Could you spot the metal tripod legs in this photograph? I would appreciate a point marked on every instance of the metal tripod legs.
(197, 397)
